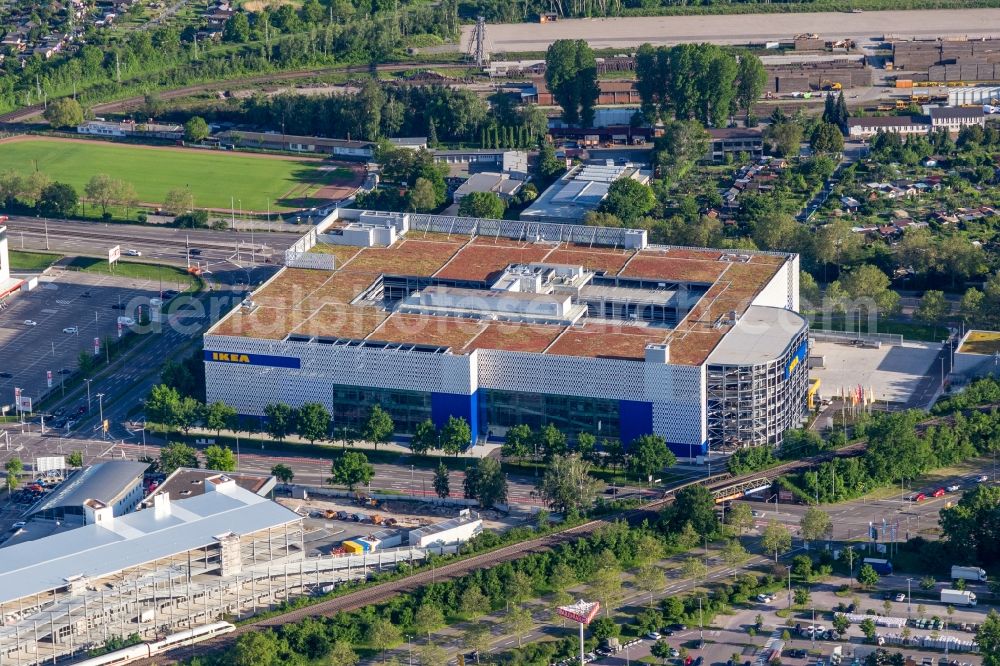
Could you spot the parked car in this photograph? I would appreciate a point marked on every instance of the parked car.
(900, 597)
(73, 330)
(919, 497)
(954, 488)
(653, 635)
(939, 492)
(30, 322)
(982, 478)
(5, 375)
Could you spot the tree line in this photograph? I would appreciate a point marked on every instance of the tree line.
(111, 63)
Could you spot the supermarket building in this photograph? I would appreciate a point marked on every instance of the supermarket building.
(504, 322)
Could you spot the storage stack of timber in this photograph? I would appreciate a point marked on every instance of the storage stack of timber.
(803, 77)
(949, 61)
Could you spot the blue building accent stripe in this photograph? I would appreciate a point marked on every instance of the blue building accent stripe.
(446, 405)
(797, 359)
(688, 450)
(252, 359)
(634, 420)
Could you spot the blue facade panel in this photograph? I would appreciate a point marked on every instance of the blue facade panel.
(688, 450)
(445, 405)
(635, 420)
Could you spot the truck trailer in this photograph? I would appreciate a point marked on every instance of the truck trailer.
(968, 573)
(958, 597)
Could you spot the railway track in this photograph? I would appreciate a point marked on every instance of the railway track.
(27, 113)
(385, 591)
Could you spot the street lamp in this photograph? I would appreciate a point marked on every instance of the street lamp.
(909, 597)
(88, 393)
(100, 403)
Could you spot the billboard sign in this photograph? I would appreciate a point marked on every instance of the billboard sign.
(97, 346)
(114, 254)
(48, 378)
(24, 403)
(582, 611)
(49, 463)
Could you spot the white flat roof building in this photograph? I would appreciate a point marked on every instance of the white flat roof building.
(579, 192)
(457, 530)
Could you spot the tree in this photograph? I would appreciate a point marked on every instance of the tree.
(607, 587)
(283, 473)
(237, 28)
(379, 427)
(517, 621)
(14, 468)
(628, 200)
(162, 405)
(179, 201)
(473, 602)
(684, 142)
(547, 166)
(815, 524)
(220, 458)
(430, 654)
(75, 459)
(342, 654)
(567, 485)
(801, 596)
(12, 185)
(32, 188)
(352, 468)
(933, 308)
(219, 415)
(312, 422)
(127, 197)
(550, 441)
(604, 628)
(486, 482)
(650, 455)
(103, 190)
(868, 628)
(734, 554)
(827, 138)
(841, 624)
(428, 618)
(571, 75)
(425, 437)
(802, 566)
(456, 435)
(869, 283)
(517, 442)
(650, 579)
(927, 583)
(442, 484)
(64, 112)
(988, 637)
(740, 517)
(751, 78)
(867, 576)
(776, 538)
(482, 204)
(280, 420)
(695, 505)
(57, 200)
(175, 455)
(383, 634)
(196, 130)
(423, 198)
(785, 138)
(694, 568)
(257, 648)
(661, 650)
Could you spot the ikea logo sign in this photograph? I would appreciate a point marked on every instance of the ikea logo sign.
(230, 358)
(252, 359)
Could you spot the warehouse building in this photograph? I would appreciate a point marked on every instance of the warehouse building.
(580, 191)
(116, 484)
(449, 532)
(178, 564)
(503, 322)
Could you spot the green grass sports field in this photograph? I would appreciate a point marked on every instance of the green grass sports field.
(213, 176)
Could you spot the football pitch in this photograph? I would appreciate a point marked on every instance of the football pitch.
(214, 177)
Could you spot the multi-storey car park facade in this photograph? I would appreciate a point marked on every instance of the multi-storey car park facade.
(501, 322)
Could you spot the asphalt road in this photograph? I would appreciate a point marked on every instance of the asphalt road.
(741, 28)
(221, 252)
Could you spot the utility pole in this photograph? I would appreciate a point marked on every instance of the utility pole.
(88, 393)
(100, 402)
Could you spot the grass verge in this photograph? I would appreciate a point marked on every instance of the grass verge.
(31, 261)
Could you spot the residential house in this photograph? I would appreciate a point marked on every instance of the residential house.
(733, 141)
(500, 184)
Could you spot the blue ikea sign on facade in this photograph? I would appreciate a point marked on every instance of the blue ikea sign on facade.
(800, 357)
(238, 358)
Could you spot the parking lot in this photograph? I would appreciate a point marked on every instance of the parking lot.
(46, 329)
(892, 372)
